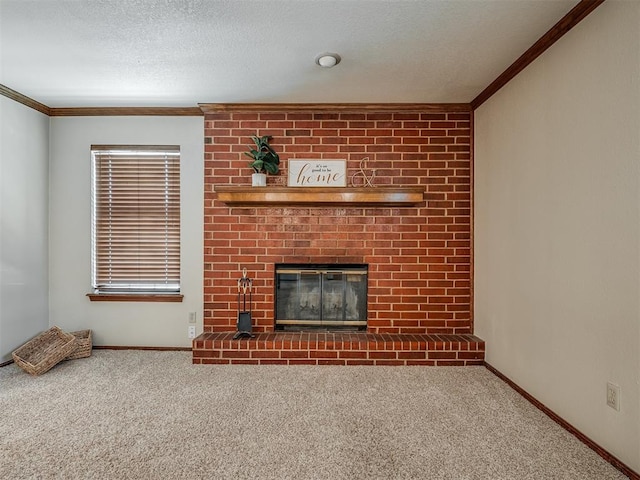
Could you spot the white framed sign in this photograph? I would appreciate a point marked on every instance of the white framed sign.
(317, 173)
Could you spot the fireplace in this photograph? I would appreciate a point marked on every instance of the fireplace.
(313, 296)
(418, 256)
(419, 282)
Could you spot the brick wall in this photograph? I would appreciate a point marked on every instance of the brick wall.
(418, 257)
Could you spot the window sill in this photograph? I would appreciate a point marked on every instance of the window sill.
(134, 297)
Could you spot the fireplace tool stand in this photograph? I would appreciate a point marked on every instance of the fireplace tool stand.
(244, 316)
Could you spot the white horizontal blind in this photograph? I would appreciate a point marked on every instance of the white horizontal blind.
(136, 219)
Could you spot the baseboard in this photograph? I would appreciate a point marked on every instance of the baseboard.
(133, 347)
(120, 347)
(633, 475)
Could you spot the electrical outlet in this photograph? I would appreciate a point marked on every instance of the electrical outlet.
(613, 396)
(192, 331)
(192, 317)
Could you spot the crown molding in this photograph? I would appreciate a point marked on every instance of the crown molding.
(334, 107)
(23, 99)
(125, 111)
(98, 111)
(566, 23)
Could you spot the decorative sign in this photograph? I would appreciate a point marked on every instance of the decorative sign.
(317, 173)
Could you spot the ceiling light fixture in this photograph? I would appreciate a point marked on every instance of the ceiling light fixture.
(328, 60)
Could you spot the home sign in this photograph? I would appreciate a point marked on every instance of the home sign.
(317, 173)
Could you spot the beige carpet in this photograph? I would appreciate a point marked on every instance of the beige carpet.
(153, 415)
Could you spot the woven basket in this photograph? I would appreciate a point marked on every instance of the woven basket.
(83, 345)
(44, 351)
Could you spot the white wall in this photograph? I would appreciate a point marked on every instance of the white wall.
(24, 144)
(557, 237)
(120, 323)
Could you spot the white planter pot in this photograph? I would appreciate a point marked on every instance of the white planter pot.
(259, 180)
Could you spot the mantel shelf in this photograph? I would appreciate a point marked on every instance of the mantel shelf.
(320, 196)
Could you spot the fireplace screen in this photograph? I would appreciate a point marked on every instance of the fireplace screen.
(321, 296)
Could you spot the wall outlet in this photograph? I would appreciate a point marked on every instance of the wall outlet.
(192, 317)
(613, 396)
(192, 331)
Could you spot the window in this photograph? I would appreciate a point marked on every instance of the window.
(135, 199)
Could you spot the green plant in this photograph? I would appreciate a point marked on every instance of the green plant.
(264, 158)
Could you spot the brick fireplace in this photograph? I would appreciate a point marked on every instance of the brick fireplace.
(418, 255)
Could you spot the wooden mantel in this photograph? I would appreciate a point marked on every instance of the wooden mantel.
(403, 196)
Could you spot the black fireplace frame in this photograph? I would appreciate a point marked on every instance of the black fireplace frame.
(321, 270)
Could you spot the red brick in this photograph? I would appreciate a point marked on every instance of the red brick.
(215, 361)
(450, 363)
(265, 354)
(360, 362)
(302, 361)
(323, 354)
(261, 237)
(331, 362)
(350, 354)
(412, 355)
(235, 354)
(383, 355)
(471, 355)
(441, 355)
(295, 354)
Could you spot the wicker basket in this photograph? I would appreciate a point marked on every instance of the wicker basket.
(44, 351)
(83, 345)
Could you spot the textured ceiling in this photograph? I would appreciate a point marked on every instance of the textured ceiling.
(91, 53)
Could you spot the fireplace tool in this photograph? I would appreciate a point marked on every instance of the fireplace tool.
(244, 316)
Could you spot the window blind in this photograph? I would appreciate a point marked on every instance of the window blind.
(135, 219)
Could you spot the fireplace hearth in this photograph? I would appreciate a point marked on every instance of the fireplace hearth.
(320, 296)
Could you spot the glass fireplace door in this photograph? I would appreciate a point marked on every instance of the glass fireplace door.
(321, 297)
(298, 297)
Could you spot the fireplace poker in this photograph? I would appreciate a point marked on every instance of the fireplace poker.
(245, 285)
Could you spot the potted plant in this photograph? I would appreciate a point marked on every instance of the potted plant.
(264, 160)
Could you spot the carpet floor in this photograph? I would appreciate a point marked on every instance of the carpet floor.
(154, 415)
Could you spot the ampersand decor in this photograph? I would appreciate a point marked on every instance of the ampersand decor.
(360, 178)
